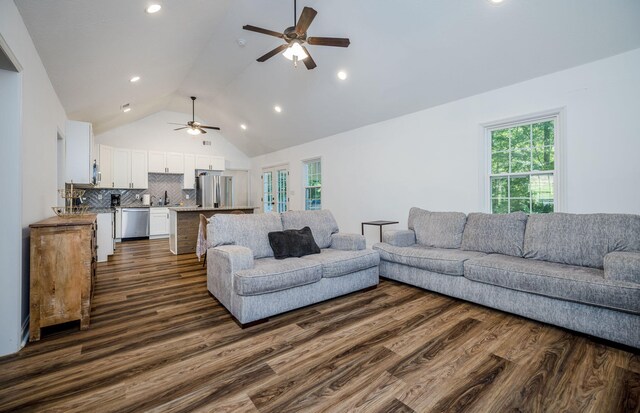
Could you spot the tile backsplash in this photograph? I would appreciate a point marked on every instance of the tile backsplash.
(158, 183)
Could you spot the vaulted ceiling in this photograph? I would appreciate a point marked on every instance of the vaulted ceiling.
(404, 56)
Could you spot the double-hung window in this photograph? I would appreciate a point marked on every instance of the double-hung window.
(312, 175)
(522, 170)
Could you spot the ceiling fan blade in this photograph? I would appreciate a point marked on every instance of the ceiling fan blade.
(171, 123)
(209, 127)
(307, 16)
(186, 127)
(272, 53)
(263, 31)
(329, 41)
(308, 61)
(201, 130)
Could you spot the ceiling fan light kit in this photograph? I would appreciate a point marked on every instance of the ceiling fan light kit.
(295, 38)
(193, 127)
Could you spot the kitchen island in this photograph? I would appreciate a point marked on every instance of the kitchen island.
(184, 223)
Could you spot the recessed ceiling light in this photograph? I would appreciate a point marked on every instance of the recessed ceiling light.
(496, 1)
(126, 108)
(243, 126)
(154, 8)
(342, 75)
(277, 108)
(134, 79)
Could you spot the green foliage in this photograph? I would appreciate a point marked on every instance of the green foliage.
(517, 150)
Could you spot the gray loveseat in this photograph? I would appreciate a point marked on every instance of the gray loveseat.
(581, 272)
(243, 275)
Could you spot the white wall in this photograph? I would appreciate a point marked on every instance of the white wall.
(433, 158)
(43, 116)
(153, 133)
(10, 219)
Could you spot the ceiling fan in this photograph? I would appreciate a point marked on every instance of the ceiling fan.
(295, 37)
(193, 127)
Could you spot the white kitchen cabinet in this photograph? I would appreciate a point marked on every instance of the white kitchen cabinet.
(129, 169)
(175, 163)
(189, 171)
(79, 152)
(159, 223)
(139, 170)
(166, 162)
(157, 162)
(104, 236)
(121, 168)
(213, 163)
(118, 224)
(105, 164)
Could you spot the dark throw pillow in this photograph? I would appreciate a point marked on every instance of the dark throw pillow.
(293, 243)
(279, 244)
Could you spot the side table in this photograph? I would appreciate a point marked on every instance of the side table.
(378, 223)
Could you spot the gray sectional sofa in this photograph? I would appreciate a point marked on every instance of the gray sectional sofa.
(243, 275)
(581, 272)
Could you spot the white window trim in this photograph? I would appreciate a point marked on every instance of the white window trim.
(559, 187)
(302, 181)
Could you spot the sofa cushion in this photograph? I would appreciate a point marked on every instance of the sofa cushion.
(248, 230)
(622, 266)
(567, 282)
(441, 260)
(269, 275)
(336, 263)
(322, 224)
(293, 243)
(495, 233)
(580, 239)
(437, 229)
(399, 238)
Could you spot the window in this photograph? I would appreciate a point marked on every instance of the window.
(312, 184)
(522, 170)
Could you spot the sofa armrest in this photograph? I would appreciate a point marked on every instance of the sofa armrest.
(348, 242)
(399, 238)
(222, 263)
(622, 266)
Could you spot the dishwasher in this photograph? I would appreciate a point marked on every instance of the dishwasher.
(135, 223)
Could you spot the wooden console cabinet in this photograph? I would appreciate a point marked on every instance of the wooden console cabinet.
(63, 270)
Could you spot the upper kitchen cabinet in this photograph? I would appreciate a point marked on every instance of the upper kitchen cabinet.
(105, 165)
(79, 153)
(212, 163)
(129, 169)
(139, 170)
(121, 168)
(166, 162)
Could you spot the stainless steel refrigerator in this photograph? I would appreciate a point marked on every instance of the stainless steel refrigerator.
(214, 191)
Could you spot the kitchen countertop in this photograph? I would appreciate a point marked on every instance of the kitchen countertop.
(56, 221)
(101, 210)
(196, 209)
(150, 206)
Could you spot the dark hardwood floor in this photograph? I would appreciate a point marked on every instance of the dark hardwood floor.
(159, 342)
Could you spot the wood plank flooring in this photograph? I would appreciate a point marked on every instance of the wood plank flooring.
(158, 342)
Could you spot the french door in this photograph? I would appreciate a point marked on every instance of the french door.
(275, 189)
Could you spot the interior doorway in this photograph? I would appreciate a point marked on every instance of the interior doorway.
(275, 189)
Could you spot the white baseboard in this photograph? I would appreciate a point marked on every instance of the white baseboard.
(159, 236)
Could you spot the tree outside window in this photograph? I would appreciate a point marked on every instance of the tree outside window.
(523, 167)
(312, 184)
